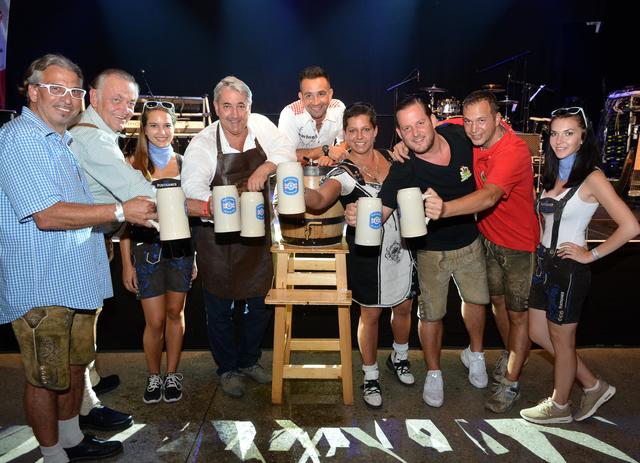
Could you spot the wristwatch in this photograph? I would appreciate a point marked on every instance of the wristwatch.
(119, 213)
(325, 150)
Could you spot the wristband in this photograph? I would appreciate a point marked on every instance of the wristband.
(206, 208)
(594, 253)
(119, 212)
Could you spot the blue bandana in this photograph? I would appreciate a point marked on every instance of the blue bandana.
(565, 166)
(160, 156)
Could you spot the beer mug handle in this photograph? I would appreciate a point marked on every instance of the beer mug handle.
(426, 219)
(154, 224)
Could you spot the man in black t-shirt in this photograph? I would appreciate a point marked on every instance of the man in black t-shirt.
(441, 159)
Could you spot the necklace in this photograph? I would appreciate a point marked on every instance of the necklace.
(374, 175)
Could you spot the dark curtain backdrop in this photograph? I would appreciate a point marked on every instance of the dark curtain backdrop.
(186, 46)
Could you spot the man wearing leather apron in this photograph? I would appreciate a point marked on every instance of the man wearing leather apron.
(240, 149)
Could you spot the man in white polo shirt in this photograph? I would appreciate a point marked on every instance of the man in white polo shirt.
(314, 122)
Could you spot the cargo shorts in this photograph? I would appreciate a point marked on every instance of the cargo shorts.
(436, 268)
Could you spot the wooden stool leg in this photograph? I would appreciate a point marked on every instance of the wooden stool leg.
(278, 354)
(288, 328)
(344, 325)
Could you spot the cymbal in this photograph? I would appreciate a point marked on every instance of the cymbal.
(433, 89)
(494, 88)
(507, 101)
(540, 119)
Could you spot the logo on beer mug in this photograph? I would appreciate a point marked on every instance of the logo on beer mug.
(228, 205)
(290, 185)
(260, 212)
(375, 220)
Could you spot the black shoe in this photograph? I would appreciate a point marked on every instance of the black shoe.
(106, 384)
(92, 448)
(172, 388)
(153, 391)
(105, 419)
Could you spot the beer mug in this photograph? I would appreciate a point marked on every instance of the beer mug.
(252, 214)
(226, 214)
(411, 211)
(290, 188)
(172, 214)
(369, 222)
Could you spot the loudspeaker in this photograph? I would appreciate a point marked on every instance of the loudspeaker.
(533, 141)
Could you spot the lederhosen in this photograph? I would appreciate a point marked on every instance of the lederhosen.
(558, 285)
(232, 267)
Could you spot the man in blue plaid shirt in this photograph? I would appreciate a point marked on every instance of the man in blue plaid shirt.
(54, 272)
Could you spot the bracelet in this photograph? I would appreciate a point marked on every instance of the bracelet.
(119, 212)
(206, 208)
(594, 253)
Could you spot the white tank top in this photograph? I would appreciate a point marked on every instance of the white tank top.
(573, 224)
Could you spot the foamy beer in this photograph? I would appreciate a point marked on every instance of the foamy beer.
(411, 210)
(290, 188)
(172, 214)
(369, 222)
(226, 214)
(252, 214)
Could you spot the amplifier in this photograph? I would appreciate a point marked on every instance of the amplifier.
(533, 141)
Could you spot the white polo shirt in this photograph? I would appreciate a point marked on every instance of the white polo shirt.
(297, 124)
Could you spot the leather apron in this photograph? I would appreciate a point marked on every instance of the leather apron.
(232, 267)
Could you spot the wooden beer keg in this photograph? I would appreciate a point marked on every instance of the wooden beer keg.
(313, 229)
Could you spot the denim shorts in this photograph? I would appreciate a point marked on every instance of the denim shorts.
(51, 339)
(436, 268)
(559, 286)
(509, 273)
(158, 274)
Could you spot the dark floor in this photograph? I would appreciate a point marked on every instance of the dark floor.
(314, 426)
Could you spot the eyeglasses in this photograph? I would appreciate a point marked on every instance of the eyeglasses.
(158, 104)
(572, 110)
(61, 90)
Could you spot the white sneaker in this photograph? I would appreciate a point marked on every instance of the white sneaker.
(371, 393)
(401, 368)
(474, 361)
(433, 392)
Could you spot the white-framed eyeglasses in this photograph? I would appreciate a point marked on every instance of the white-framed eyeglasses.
(61, 90)
(158, 104)
(572, 110)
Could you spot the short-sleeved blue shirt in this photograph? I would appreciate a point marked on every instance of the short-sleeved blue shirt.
(45, 267)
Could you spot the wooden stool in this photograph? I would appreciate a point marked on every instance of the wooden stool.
(324, 267)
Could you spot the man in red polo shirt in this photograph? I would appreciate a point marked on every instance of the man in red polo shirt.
(503, 202)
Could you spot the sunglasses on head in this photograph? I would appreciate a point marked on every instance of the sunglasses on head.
(572, 111)
(158, 104)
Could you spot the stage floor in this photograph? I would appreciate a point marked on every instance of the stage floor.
(314, 426)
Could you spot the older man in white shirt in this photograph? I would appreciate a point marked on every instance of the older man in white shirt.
(241, 149)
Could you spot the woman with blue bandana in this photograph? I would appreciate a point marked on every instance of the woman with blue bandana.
(573, 188)
(159, 273)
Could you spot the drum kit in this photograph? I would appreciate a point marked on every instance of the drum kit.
(445, 107)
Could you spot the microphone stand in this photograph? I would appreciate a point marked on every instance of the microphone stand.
(413, 75)
(146, 83)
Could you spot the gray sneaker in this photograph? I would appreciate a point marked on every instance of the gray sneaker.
(232, 384)
(501, 366)
(505, 395)
(546, 412)
(591, 401)
(257, 373)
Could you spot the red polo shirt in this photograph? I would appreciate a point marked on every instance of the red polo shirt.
(512, 222)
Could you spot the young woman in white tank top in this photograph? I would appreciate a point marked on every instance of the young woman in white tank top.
(573, 189)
